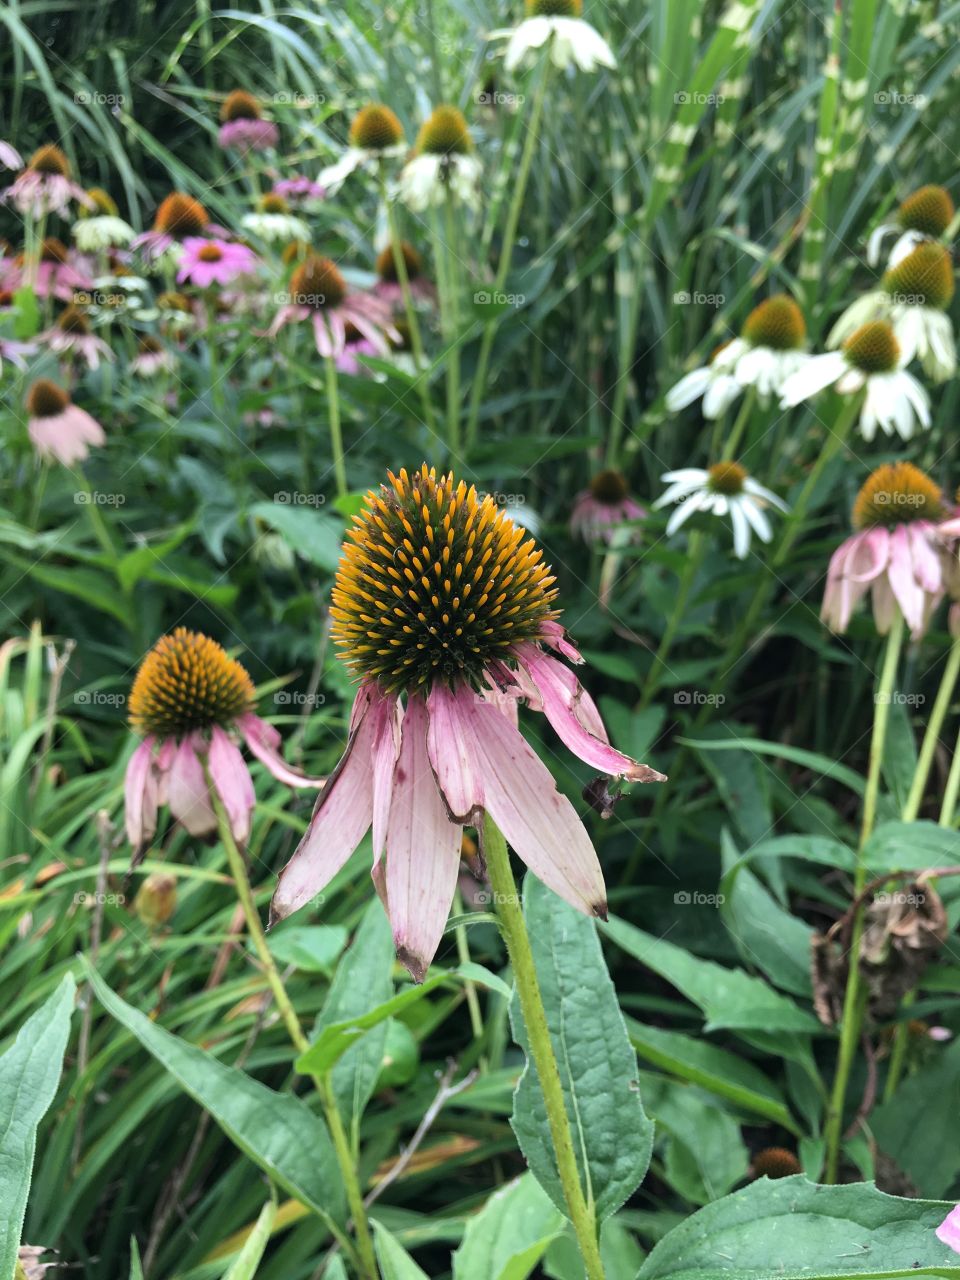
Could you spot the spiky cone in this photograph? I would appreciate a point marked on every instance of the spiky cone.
(444, 610)
(191, 702)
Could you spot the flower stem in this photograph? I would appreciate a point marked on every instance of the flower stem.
(736, 431)
(506, 252)
(363, 1257)
(453, 336)
(413, 324)
(932, 736)
(515, 935)
(336, 435)
(695, 549)
(952, 789)
(854, 999)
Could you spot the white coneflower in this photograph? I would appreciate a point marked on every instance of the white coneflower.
(273, 221)
(99, 226)
(870, 358)
(376, 134)
(924, 215)
(769, 350)
(913, 296)
(557, 26)
(443, 162)
(723, 489)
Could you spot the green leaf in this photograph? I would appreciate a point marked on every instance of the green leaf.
(337, 1038)
(244, 1265)
(136, 1266)
(796, 755)
(507, 1238)
(276, 1131)
(723, 1073)
(362, 983)
(920, 1125)
(312, 948)
(705, 1155)
(795, 1230)
(726, 997)
(89, 585)
(395, 1262)
(29, 1076)
(309, 532)
(598, 1067)
(909, 846)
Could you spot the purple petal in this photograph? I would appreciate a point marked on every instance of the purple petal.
(948, 1232)
(231, 780)
(450, 748)
(187, 793)
(140, 790)
(264, 742)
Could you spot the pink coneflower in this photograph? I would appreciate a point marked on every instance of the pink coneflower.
(242, 125)
(444, 609)
(599, 511)
(72, 336)
(299, 190)
(207, 262)
(318, 292)
(191, 702)
(45, 185)
(178, 217)
(57, 427)
(948, 1232)
(388, 284)
(10, 157)
(152, 358)
(54, 276)
(15, 352)
(348, 361)
(896, 552)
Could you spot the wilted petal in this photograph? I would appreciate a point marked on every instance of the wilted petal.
(140, 794)
(449, 747)
(948, 1232)
(423, 849)
(542, 825)
(561, 695)
(340, 820)
(187, 792)
(231, 780)
(264, 742)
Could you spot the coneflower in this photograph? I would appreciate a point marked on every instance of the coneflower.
(600, 511)
(556, 26)
(272, 220)
(71, 335)
(376, 134)
(45, 185)
(388, 284)
(52, 275)
(242, 126)
(191, 702)
(100, 226)
(319, 293)
(178, 217)
(443, 162)
(924, 215)
(57, 427)
(444, 610)
(723, 489)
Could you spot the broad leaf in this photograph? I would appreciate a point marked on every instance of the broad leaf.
(395, 1262)
(920, 1126)
(796, 1230)
(507, 1238)
(29, 1075)
(245, 1264)
(276, 1131)
(598, 1067)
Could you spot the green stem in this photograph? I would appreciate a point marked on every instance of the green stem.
(453, 336)
(514, 929)
(363, 1256)
(854, 999)
(952, 789)
(506, 251)
(736, 431)
(413, 324)
(336, 435)
(932, 736)
(695, 549)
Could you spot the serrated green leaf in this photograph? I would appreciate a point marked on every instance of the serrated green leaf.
(509, 1235)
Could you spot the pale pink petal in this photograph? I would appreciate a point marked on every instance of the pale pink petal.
(561, 694)
(422, 851)
(900, 575)
(324, 341)
(340, 820)
(187, 793)
(384, 749)
(264, 742)
(553, 634)
(542, 826)
(231, 780)
(927, 563)
(868, 554)
(140, 794)
(948, 1232)
(884, 606)
(449, 746)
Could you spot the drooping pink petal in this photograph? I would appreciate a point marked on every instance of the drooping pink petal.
(422, 849)
(449, 747)
(231, 779)
(553, 634)
(907, 590)
(264, 742)
(140, 794)
(384, 749)
(561, 695)
(542, 825)
(340, 820)
(187, 793)
(927, 562)
(948, 1232)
